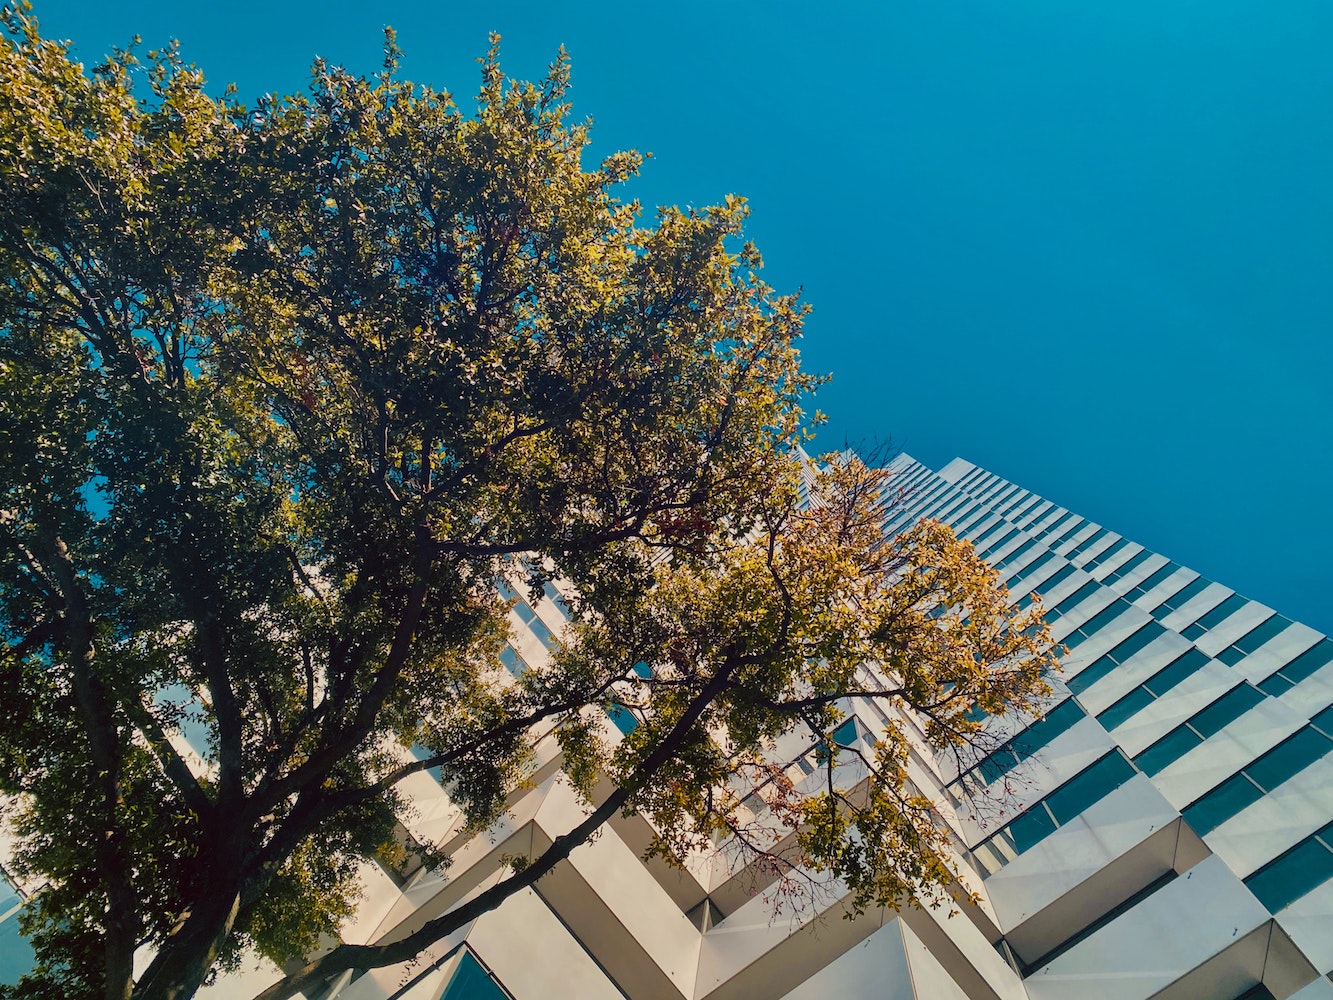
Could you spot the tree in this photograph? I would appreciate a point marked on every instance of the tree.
(286, 390)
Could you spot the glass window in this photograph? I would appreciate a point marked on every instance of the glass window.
(471, 981)
(514, 663)
(1226, 710)
(1138, 590)
(1198, 727)
(1088, 543)
(1253, 639)
(1047, 815)
(1283, 762)
(1051, 582)
(992, 540)
(1299, 668)
(1154, 687)
(1096, 623)
(1131, 564)
(1175, 672)
(557, 598)
(16, 955)
(1289, 758)
(1090, 787)
(1324, 721)
(533, 622)
(1030, 829)
(1091, 674)
(1073, 600)
(1289, 877)
(847, 733)
(1180, 598)
(624, 720)
(1169, 749)
(1223, 802)
(1073, 526)
(1030, 741)
(1126, 708)
(1017, 554)
(1109, 553)
(1215, 617)
(1053, 522)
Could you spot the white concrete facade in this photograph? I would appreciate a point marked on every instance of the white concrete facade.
(1160, 836)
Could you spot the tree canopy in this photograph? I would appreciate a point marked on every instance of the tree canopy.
(287, 391)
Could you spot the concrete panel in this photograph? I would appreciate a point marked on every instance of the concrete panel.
(1067, 755)
(1080, 849)
(930, 979)
(1198, 691)
(1173, 584)
(1133, 672)
(1094, 897)
(875, 969)
(1233, 628)
(1309, 922)
(969, 958)
(1320, 989)
(1290, 813)
(1228, 751)
(529, 950)
(1280, 650)
(1168, 934)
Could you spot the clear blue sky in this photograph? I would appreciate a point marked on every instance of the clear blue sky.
(1087, 246)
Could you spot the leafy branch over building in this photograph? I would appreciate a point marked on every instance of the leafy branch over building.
(286, 392)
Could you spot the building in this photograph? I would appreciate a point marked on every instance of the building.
(1166, 830)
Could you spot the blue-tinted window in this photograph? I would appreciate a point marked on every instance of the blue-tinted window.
(1175, 672)
(1286, 879)
(1223, 802)
(557, 598)
(1096, 623)
(1126, 708)
(1226, 710)
(1089, 787)
(1031, 740)
(1088, 543)
(846, 734)
(1253, 639)
(1324, 721)
(1153, 580)
(1109, 552)
(514, 663)
(1169, 749)
(1049, 584)
(1030, 829)
(471, 982)
(1113, 657)
(1060, 522)
(533, 622)
(1213, 618)
(1169, 677)
(1044, 817)
(423, 753)
(1130, 564)
(1289, 758)
(1073, 600)
(623, 719)
(1182, 597)
(1017, 554)
(1091, 674)
(995, 542)
(1197, 728)
(16, 956)
(1309, 661)
(1283, 762)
